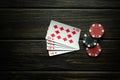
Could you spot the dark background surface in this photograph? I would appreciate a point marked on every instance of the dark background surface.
(23, 26)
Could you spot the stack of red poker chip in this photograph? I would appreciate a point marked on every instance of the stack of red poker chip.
(96, 31)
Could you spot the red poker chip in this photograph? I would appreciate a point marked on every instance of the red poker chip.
(96, 30)
(95, 51)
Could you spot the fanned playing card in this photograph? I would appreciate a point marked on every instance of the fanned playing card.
(62, 38)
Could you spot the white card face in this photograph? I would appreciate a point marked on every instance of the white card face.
(59, 48)
(51, 46)
(53, 53)
(64, 34)
(52, 42)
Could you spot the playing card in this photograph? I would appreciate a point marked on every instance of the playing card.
(62, 38)
(63, 34)
(51, 44)
(59, 48)
(56, 47)
(53, 53)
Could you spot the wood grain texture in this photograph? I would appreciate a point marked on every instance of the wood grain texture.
(60, 3)
(32, 55)
(59, 75)
(33, 23)
(23, 26)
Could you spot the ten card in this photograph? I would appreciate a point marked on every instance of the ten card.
(62, 38)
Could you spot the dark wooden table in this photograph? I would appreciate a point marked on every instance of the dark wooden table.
(23, 26)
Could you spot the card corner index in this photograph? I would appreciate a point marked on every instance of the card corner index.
(52, 21)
